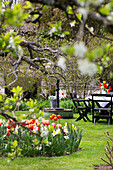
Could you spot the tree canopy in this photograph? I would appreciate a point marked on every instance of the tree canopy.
(58, 37)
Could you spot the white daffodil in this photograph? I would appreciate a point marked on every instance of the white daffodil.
(39, 147)
(66, 137)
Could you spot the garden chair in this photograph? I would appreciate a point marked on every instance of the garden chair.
(102, 107)
(82, 106)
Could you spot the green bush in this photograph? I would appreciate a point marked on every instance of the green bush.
(67, 104)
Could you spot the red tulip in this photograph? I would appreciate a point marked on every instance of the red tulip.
(110, 88)
(108, 91)
(51, 117)
(9, 127)
(14, 125)
(100, 85)
(0, 123)
(58, 116)
(55, 118)
(31, 126)
(8, 133)
(47, 122)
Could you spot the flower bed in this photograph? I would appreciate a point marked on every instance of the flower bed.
(36, 137)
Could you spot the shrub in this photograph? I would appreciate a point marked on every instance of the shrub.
(67, 104)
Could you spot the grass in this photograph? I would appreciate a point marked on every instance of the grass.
(92, 149)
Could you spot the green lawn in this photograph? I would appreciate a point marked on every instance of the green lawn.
(92, 149)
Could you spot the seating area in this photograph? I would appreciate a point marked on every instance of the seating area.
(99, 105)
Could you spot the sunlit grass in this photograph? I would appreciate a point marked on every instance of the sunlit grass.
(92, 149)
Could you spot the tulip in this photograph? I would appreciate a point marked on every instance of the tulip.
(58, 116)
(31, 126)
(51, 117)
(14, 125)
(9, 127)
(47, 122)
(53, 124)
(55, 118)
(110, 88)
(100, 85)
(38, 124)
(0, 123)
(8, 133)
(108, 91)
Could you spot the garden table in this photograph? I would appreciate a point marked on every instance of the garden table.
(102, 107)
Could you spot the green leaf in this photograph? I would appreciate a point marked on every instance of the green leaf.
(66, 32)
(2, 44)
(68, 50)
(15, 143)
(6, 3)
(1, 98)
(36, 141)
(79, 16)
(106, 9)
(6, 37)
(28, 5)
(70, 10)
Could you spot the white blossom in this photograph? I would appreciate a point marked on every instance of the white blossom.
(80, 49)
(11, 43)
(61, 63)
(52, 31)
(87, 67)
(72, 24)
(20, 51)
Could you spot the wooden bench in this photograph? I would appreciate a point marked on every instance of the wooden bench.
(102, 107)
(82, 106)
